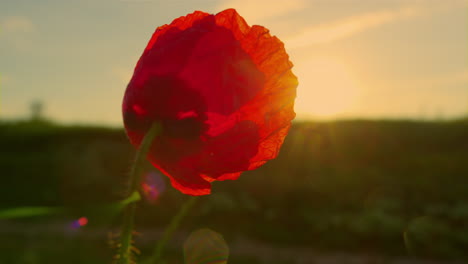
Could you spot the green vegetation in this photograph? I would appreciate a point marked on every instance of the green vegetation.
(386, 187)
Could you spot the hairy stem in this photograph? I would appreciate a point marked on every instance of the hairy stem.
(125, 249)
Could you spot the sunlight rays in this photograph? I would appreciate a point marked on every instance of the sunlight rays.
(326, 88)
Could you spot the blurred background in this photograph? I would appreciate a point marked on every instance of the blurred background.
(374, 170)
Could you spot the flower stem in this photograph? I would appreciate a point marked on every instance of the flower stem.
(170, 229)
(125, 251)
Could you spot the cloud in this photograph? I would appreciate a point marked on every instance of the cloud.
(262, 10)
(442, 80)
(353, 25)
(349, 26)
(18, 33)
(4, 79)
(17, 24)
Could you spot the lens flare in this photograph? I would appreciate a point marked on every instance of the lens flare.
(153, 186)
(80, 222)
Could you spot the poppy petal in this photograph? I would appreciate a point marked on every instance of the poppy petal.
(223, 92)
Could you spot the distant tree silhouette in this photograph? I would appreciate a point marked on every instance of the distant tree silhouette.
(37, 108)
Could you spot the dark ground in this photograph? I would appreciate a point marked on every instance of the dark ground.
(340, 192)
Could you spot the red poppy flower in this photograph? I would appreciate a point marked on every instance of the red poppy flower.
(223, 93)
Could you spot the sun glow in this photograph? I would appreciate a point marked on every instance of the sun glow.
(326, 88)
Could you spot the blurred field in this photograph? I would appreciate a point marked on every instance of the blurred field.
(384, 191)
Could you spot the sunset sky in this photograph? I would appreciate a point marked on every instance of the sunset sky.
(354, 59)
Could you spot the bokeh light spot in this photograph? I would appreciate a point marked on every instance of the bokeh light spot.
(205, 246)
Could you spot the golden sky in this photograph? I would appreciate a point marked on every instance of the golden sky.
(353, 58)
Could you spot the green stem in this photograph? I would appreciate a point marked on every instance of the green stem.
(125, 252)
(170, 229)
